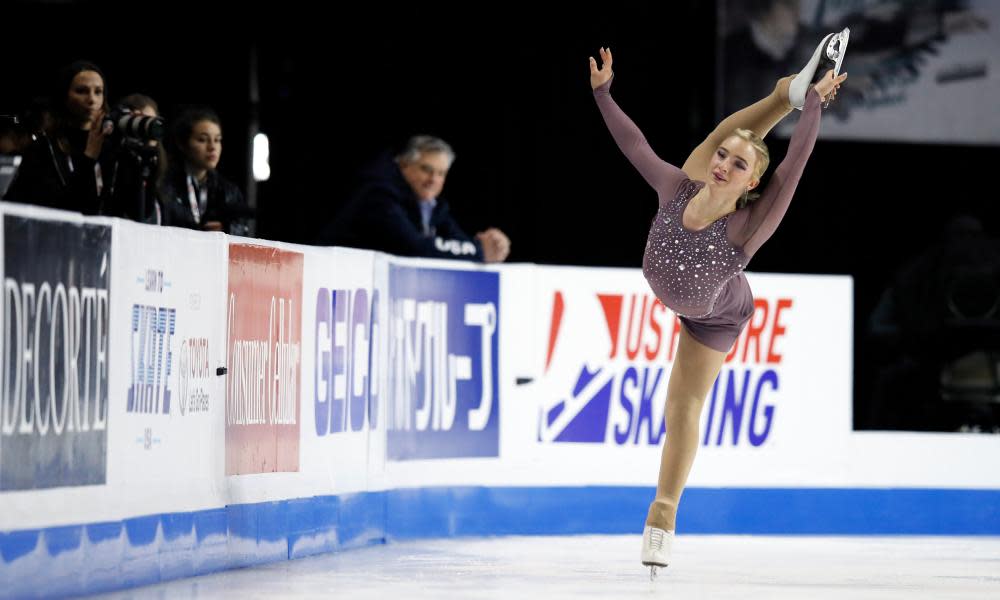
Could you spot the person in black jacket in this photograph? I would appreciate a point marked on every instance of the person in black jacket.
(398, 210)
(194, 194)
(140, 168)
(69, 165)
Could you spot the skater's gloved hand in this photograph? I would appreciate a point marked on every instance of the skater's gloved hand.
(828, 86)
(599, 77)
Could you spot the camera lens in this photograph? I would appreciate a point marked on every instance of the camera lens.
(140, 127)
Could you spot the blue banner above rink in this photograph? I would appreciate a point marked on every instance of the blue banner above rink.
(443, 363)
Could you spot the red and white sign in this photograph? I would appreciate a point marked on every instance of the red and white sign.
(264, 350)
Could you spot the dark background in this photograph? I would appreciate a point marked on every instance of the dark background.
(508, 86)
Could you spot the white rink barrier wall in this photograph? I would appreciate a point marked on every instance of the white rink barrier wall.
(178, 402)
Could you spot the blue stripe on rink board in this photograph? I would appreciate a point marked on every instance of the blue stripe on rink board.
(841, 511)
(437, 512)
(110, 555)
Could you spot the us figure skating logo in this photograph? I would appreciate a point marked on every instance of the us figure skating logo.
(616, 370)
(607, 366)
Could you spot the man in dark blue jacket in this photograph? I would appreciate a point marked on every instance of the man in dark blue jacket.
(398, 210)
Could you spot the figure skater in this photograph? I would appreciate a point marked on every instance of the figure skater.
(708, 227)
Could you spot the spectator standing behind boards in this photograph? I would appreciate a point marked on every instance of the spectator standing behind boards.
(195, 194)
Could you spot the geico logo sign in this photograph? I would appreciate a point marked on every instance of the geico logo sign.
(346, 352)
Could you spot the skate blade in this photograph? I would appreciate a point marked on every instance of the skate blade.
(653, 569)
(836, 48)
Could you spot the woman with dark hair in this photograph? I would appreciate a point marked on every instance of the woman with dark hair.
(195, 195)
(67, 166)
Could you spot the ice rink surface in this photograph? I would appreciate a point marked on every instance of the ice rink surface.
(716, 567)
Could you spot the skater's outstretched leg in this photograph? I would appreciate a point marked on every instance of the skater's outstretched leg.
(760, 117)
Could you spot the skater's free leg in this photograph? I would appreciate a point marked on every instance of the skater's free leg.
(695, 368)
(760, 117)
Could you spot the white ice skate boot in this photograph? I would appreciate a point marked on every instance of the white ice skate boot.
(656, 545)
(828, 55)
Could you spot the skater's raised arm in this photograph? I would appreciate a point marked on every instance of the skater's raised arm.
(658, 173)
(751, 226)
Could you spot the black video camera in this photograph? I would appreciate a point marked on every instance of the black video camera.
(128, 125)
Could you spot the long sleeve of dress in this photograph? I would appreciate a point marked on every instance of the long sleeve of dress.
(752, 225)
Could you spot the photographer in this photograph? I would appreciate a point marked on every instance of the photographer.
(195, 195)
(141, 162)
(66, 166)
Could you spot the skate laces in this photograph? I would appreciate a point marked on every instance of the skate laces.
(656, 539)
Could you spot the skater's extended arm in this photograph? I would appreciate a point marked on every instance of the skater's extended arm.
(751, 226)
(658, 173)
